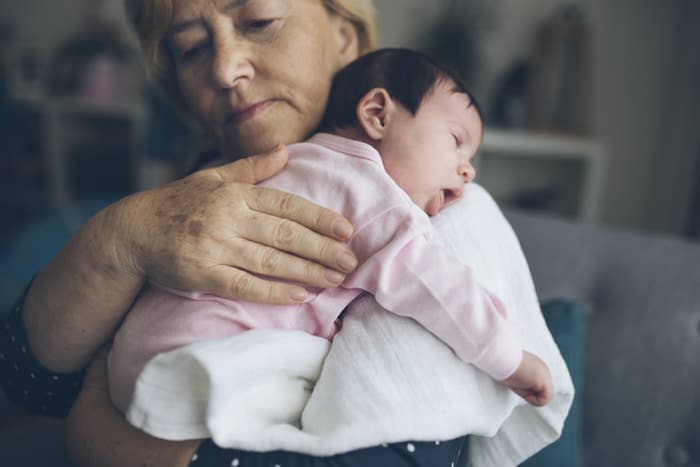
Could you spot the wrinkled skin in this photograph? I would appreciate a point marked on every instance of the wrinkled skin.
(209, 230)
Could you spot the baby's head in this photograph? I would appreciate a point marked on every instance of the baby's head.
(422, 120)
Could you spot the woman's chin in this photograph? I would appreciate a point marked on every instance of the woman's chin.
(250, 140)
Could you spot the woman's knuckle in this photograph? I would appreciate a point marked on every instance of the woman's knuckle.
(326, 251)
(288, 204)
(269, 260)
(242, 284)
(310, 271)
(285, 233)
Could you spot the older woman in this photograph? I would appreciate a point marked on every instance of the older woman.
(254, 74)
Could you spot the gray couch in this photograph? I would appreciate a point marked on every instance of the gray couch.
(640, 295)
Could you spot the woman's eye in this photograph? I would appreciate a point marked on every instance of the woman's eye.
(193, 52)
(259, 24)
(458, 140)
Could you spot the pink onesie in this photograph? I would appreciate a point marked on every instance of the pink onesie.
(401, 263)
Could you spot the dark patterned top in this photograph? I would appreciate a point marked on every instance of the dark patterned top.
(26, 381)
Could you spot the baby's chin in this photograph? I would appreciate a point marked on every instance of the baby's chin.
(433, 206)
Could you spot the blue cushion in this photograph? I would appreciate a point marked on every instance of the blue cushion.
(566, 325)
(36, 244)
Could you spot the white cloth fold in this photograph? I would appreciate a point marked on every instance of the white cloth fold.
(384, 379)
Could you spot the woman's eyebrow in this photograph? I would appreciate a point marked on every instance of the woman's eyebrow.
(184, 25)
(233, 4)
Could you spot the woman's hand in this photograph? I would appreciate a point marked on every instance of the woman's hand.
(208, 232)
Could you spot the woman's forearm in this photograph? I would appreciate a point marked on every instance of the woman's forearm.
(77, 300)
(213, 232)
(97, 435)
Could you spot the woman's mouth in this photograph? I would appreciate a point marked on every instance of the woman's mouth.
(246, 113)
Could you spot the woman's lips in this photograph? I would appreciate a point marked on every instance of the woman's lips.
(249, 112)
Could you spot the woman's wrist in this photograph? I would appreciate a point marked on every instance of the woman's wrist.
(121, 227)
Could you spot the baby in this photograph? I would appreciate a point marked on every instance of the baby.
(398, 140)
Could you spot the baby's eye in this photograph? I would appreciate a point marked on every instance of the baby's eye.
(458, 140)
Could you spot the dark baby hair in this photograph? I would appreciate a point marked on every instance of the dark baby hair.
(408, 76)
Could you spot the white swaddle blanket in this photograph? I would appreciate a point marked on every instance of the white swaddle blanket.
(384, 378)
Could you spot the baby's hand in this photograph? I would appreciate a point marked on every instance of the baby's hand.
(531, 381)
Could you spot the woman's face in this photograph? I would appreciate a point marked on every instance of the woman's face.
(255, 73)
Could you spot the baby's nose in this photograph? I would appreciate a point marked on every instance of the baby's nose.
(467, 172)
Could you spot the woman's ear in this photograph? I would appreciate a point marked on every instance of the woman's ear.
(346, 41)
(374, 112)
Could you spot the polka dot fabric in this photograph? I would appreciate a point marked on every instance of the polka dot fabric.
(406, 454)
(24, 380)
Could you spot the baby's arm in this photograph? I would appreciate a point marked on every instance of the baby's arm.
(411, 274)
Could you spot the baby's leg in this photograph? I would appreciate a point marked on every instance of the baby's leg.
(158, 322)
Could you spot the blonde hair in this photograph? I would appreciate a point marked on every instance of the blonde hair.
(361, 14)
(152, 18)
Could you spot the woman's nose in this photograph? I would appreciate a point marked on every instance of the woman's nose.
(231, 64)
(467, 172)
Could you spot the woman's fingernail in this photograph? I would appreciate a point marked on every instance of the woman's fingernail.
(334, 277)
(342, 228)
(346, 262)
(298, 294)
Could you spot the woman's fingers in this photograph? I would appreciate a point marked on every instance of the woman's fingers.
(295, 208)
(291, 237)
(267, 261)
(212, 223)
(229, 282)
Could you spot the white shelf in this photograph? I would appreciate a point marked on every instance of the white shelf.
(516, 161)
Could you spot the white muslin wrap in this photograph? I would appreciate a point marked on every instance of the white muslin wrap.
(383, 379)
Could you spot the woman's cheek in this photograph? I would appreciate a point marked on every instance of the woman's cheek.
(193, 91)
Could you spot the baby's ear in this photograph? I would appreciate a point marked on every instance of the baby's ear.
(374, 112)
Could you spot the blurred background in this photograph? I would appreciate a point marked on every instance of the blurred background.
(592, 109)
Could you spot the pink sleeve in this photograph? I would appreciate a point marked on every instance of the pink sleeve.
(413, 275)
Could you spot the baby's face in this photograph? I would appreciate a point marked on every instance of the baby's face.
(429, 155)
